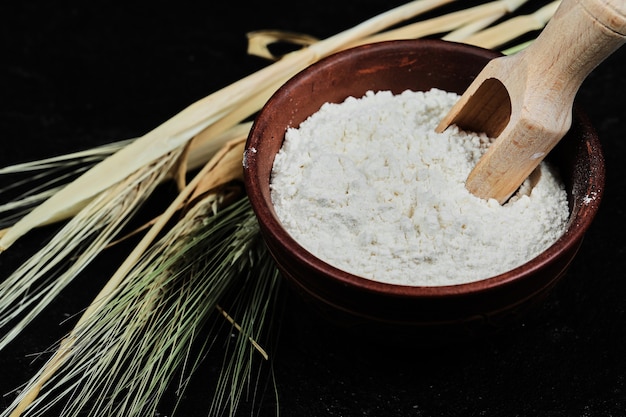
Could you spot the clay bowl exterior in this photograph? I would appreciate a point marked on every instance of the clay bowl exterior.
(397, 66)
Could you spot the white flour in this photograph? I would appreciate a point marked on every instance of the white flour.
(369, 187)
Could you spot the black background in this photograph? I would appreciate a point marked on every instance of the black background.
(78, 74)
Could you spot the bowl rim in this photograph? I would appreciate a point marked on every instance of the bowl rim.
(270, 223)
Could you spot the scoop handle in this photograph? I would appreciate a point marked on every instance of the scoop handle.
(608, 13)
(580, 35)
(542, 82)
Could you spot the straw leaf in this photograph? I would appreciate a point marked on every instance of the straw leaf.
(40, 279)
(43, 178)
(513, 28)
(483, 14)
(188, 277)
(248, 93)
(123, 357)
(454, 26)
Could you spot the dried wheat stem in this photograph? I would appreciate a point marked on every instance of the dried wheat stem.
(83, 237)
(513, 28)
(57, 360)
(238, 327)
(447, 22)
(460, 24)
(201, 149)
(198, 116)
(259, 40)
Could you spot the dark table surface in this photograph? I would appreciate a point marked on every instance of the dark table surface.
(77, 74)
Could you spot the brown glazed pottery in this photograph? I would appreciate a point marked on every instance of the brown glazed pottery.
(353, 300)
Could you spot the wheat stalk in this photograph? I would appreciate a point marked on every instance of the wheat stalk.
(467, 25)
(156, 314)
(83, 237)
(212, 168)
(141, 279)
(250, 92)
(455, 26)
(513, 28)
(202, 148)
(46, 177)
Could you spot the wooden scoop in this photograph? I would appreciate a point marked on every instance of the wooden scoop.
(525, 100)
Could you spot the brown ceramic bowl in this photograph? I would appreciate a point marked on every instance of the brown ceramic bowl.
(396, 66)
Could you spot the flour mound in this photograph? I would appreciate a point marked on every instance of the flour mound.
(369, 187)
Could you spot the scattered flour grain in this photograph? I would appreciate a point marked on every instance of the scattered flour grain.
(369, 187)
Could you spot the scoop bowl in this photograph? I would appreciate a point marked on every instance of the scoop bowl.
(352, 300)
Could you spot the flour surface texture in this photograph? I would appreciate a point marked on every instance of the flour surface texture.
(369, 187)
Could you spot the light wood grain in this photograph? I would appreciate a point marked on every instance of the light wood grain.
(525, 100)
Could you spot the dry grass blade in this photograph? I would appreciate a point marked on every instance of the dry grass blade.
(462, 23)
(212, 168)
(448, 22)
(14, 210)
(205, 146)
(42, 278)
(124, 357)
(227, 169)
(181, 128)
(43, 178)
(238, 327)
(471, 25)
(516, 48)
(259, 40)
(253, 308)
(513, 28)
(96, 153)
(52, 174)
(165, 291)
